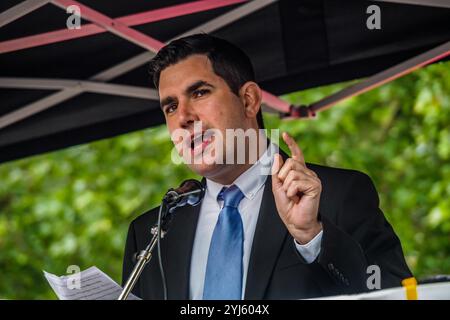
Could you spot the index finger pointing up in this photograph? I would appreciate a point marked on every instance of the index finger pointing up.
(296, 152)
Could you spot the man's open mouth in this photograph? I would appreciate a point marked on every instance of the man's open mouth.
(199, 142)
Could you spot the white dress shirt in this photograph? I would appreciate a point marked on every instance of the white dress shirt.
(252, 184)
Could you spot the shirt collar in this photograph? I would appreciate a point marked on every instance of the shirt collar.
(252, 179)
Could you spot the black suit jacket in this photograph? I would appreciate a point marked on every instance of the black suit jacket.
(355, 235)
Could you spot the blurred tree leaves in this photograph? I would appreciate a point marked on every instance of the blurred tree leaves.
(73, 207)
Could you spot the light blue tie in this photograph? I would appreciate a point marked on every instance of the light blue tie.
(223, 277)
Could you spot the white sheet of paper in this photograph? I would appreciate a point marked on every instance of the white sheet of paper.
(90, 284)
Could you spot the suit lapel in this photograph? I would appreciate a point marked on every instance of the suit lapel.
(178, 246)
(268, 240)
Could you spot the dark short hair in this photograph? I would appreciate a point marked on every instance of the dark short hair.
(228, 61)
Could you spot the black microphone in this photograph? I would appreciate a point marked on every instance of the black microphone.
(190, 192)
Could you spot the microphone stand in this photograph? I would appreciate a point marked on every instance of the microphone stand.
(142, 259)
(170, 201)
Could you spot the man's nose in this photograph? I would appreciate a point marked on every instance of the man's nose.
(186, 115)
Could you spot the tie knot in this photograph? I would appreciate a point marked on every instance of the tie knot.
(231, 196)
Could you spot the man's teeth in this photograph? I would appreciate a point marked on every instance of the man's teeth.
(197, 141)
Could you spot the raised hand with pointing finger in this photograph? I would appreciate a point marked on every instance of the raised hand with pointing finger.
(296, 190)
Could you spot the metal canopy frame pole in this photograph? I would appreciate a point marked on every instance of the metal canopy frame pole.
(20, 10)
(87, 86)
(113, 26)
(383, 77)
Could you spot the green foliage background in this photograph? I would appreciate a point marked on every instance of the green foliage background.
(73, 207)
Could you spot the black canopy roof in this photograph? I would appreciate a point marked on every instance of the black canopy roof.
(294, 45)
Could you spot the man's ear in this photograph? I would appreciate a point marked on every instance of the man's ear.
(251, 96)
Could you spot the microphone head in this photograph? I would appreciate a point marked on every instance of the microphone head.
(190, 192)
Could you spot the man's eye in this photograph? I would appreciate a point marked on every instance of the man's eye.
(171, 108)
(200, 93)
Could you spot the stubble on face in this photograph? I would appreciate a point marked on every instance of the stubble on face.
(214, 104)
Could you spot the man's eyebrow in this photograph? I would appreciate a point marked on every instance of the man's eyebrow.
(188, 91)
(166, 101)
(196, 85)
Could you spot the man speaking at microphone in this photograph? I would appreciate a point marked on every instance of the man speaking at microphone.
(289, 230)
